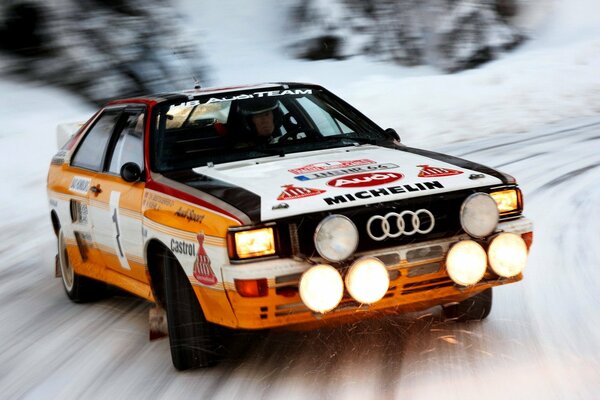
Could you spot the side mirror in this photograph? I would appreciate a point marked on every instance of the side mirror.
(393, 134)
(131, 172)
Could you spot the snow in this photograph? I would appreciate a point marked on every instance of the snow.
(541, 340)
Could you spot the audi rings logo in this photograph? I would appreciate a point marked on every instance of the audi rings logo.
(393, 224)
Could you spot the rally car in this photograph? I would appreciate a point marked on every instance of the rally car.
(275, 205)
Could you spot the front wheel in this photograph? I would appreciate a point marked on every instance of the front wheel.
(78, 288)
(191, 336)
(474, 308)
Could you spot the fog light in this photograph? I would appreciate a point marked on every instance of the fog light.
(367, 280)
(466, 262)
(321, 288)
(508, 254)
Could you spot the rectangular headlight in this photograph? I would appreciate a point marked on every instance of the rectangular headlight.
(508, 201)
(251, 243)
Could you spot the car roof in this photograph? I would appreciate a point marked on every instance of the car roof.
(198, 91)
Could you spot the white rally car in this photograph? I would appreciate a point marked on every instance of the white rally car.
(275, 205)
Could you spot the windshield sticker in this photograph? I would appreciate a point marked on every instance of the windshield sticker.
(292, 192)
(257, 95)
(202, 269)
(388, 191)
(327, 165)
(347, 171)
(366, 179)
(428, 171)
(80, 184)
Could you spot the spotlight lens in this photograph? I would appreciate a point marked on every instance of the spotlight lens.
(479, 215)
(508, 254)
(367, 280)
(466, 262)
(321, 288)
(336, 238)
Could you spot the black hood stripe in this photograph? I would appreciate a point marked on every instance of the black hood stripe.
(245, 201)
(459, 162)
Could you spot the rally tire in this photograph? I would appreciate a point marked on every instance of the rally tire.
(79, 288)
(192, 338)
(474, 308)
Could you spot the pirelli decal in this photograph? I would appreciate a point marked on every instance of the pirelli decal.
(387, 191)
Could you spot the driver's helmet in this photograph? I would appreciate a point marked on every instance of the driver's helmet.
(258, 106)
(251, 107)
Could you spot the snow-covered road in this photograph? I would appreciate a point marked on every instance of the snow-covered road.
(542, 339)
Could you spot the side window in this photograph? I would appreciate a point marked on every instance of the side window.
(90, 153)
(130, 145)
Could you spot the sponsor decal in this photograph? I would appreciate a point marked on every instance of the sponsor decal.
(155, 202)
(79, 212)
(428, 171)
(254, 95)
(291, 192)
(365, 180)
(202, 269)
(387, 191)
(80, 184)
(180, 247)
(82, 213)
(327, 165)
(346, 171)
(189, 214)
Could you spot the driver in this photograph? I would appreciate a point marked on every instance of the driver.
(261, 119)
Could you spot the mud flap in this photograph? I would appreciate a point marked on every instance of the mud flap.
(158, 323)
(57, 270)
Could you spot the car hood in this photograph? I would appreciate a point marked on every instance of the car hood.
(271, 188)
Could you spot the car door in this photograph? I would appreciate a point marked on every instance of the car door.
(116, 216)
(87, 161)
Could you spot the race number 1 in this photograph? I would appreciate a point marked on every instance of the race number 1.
(114, 212)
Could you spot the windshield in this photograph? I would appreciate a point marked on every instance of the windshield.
(242, 125)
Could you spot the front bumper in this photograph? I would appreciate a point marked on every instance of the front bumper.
(418, 280)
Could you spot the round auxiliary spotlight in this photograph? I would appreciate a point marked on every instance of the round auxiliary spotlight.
(479, 215)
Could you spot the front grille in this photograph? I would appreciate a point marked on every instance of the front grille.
(444, 208)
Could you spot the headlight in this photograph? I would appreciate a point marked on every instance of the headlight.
(336, 238)
(479, 215)
(321, 288)
(508, 201)
(508, 254)
(367, 280)
(252, 243)
(466, 262)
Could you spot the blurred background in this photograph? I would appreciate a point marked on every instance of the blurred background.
(513, 84)
(102, 49)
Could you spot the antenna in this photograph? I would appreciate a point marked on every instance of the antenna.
(196, 81)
